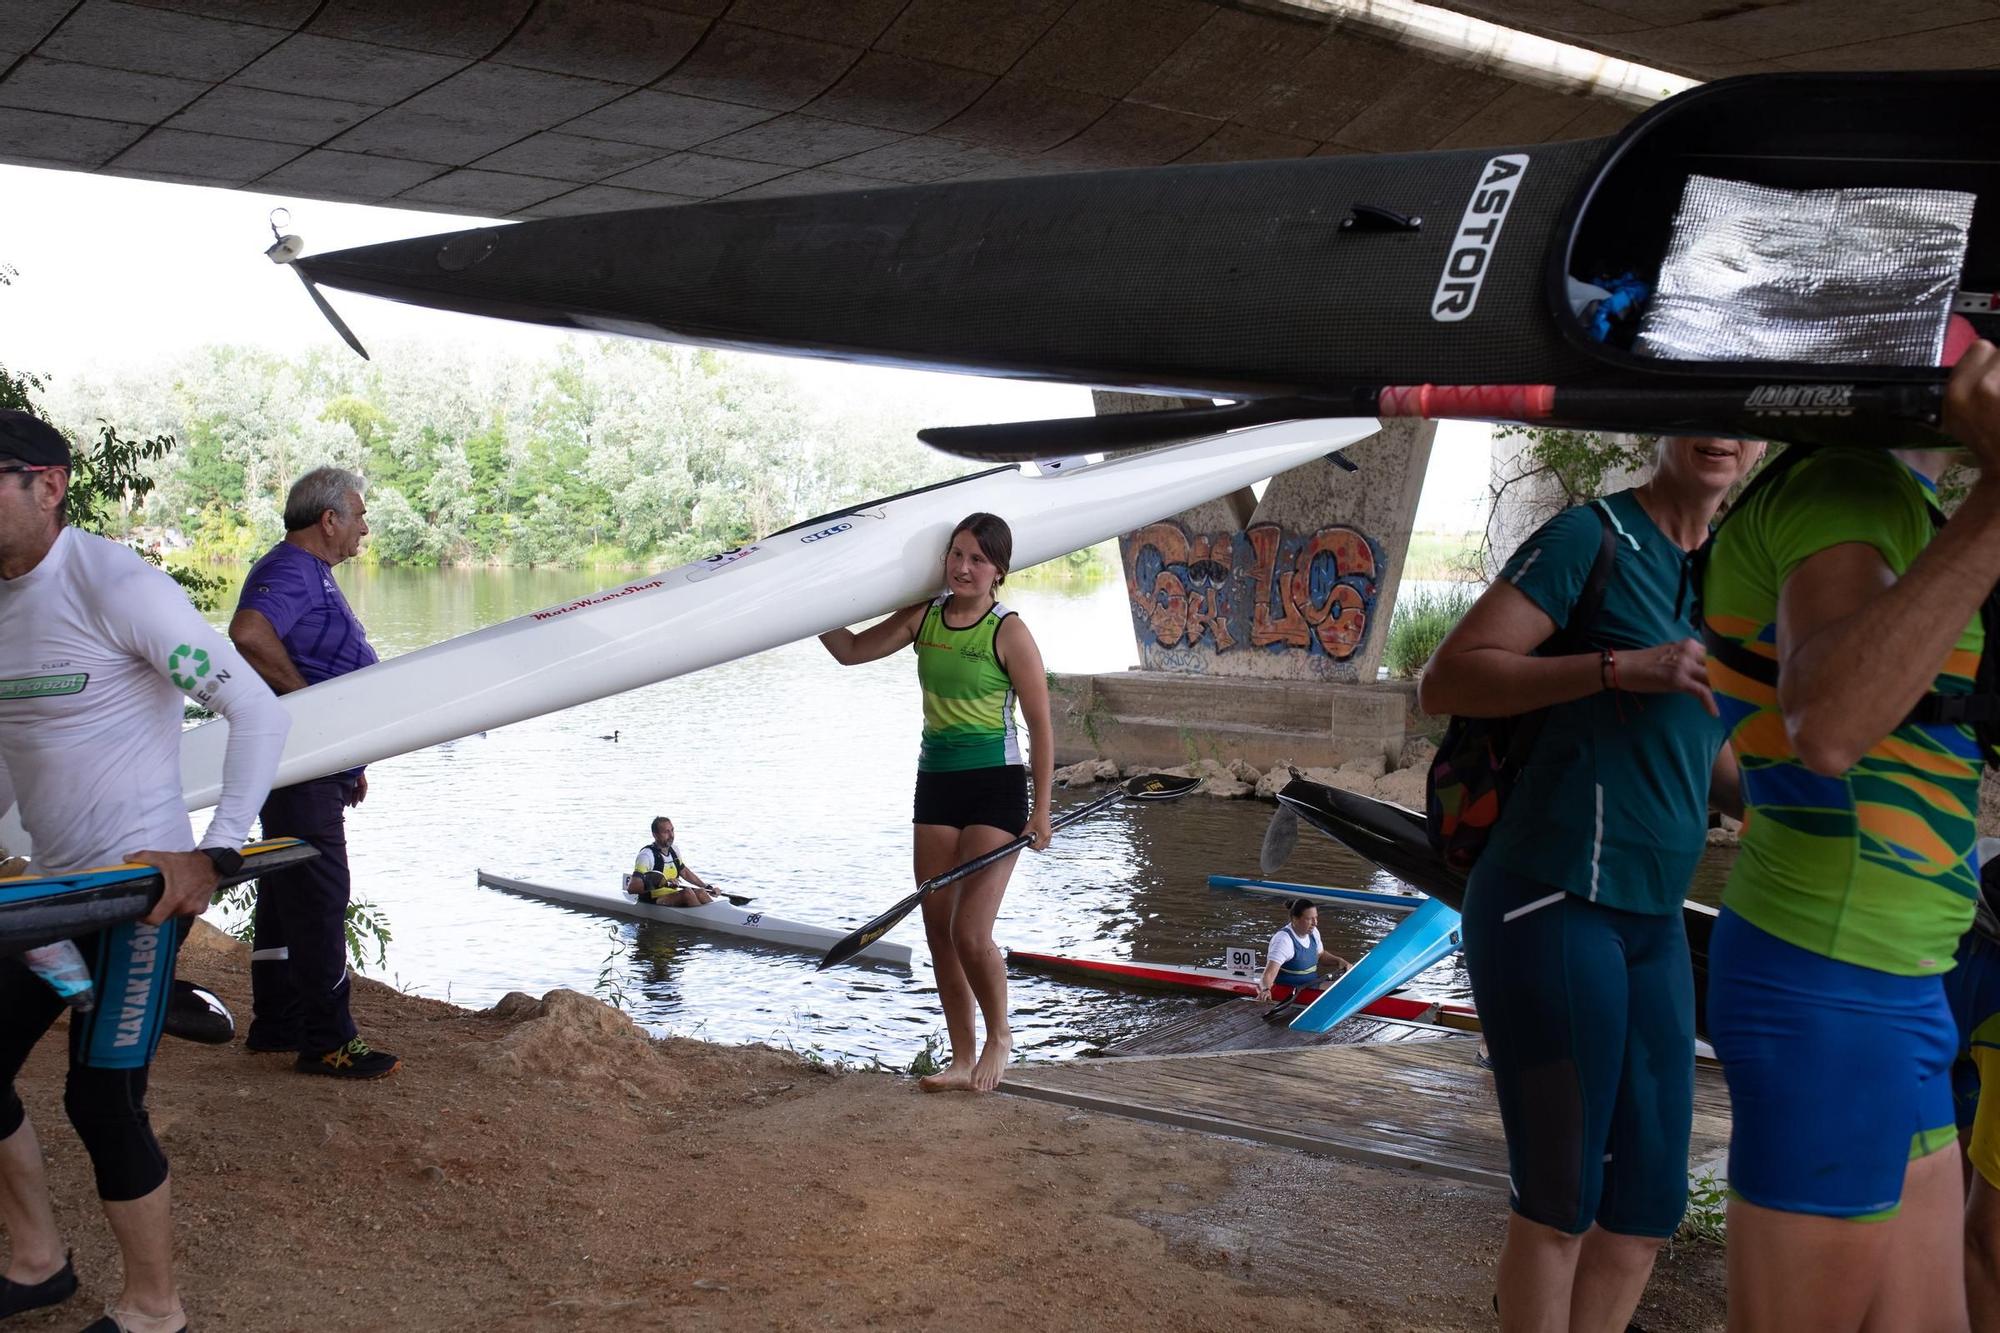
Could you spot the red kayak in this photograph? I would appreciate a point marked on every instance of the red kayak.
(1224, 981)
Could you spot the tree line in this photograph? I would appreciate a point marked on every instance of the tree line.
(608, 451)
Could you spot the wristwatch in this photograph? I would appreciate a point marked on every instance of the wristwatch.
(226, 860)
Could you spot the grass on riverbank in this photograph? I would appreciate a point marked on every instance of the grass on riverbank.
(1442, 556)
(1423, 616)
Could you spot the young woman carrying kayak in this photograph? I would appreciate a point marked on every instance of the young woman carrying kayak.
(1573, 930)
(974, 659)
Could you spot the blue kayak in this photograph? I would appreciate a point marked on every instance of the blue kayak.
(1427, 936)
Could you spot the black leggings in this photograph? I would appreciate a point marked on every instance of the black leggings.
(109, 1051)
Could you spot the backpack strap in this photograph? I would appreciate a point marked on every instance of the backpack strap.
(1590, 601)
(1572, 638)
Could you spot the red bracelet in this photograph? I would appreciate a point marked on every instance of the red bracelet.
(1611, 665)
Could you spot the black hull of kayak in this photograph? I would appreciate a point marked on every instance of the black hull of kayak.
(1259, 280)
(1393, 837)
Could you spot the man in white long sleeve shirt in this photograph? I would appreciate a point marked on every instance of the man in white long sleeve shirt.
(97, 649)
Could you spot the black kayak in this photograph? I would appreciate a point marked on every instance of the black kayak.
(1393, 837)
(1424, 284)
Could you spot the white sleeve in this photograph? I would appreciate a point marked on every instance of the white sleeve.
(1281, 949)
(156, 623)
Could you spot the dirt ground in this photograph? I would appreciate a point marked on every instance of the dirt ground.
(544, 1165)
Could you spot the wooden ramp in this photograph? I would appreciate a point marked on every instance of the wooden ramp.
(1241, 1025)
(1422, 1105)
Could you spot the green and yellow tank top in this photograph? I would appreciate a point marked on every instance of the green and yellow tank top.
(1873, 867)
(968, 697)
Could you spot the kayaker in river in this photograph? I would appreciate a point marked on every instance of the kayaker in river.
(659, 875)
(1573, 931)
(974, 658)
(1296, 956)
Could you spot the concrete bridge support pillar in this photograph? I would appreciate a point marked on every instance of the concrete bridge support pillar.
(1271, 613)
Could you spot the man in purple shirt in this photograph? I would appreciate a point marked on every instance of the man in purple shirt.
(295, 628)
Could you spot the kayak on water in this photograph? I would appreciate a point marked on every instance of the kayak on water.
(1394, 838)
(1319, 895)
(41, 909)
(1454, 283)
(1223, 981)
(1427, 935)
(838, 569)
(1421, 940)
(717, 917)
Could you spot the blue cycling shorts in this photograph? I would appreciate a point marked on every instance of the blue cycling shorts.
(1839, 1075)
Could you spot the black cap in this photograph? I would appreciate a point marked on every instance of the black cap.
(29, 439)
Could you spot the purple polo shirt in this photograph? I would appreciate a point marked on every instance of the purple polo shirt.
(294, 590)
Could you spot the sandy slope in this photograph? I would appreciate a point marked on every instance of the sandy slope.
(545, 1166)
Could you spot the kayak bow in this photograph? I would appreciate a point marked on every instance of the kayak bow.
(1433, 284)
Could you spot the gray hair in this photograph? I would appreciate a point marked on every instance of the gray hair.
(317, 491)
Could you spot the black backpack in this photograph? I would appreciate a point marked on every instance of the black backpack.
(1479, 759)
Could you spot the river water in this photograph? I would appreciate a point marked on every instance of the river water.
(788, 777)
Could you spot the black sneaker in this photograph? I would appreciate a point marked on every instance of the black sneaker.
(16, 1297)
(357, 1059)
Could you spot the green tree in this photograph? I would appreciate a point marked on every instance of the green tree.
(108, 476)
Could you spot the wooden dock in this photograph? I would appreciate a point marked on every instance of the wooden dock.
(1246, 1025)
(1425, 1105)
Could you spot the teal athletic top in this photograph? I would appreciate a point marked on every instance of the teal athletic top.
(968, 696)
(1874, 867)
(1612, 804)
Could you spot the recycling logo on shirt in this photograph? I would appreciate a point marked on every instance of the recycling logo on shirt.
(196, 659)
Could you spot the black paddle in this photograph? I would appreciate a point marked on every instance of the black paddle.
(735, 899)
(1722, 406)
(1148, 787)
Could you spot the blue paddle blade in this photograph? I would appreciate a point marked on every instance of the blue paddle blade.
(1424, 937)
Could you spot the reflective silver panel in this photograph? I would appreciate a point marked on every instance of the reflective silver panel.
(1813, 276)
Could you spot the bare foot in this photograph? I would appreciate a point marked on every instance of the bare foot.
(992, 1066)
(955, 1077)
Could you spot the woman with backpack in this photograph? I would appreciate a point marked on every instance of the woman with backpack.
(1573, 933)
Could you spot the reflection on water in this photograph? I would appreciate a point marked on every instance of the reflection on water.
(788, 778)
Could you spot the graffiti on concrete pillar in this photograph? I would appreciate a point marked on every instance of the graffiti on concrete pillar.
(1200, 597)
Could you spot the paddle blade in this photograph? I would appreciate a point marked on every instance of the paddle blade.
(856, 940)
(332, 316)
(1281, 835)
(196, 1014)
(1159, 787)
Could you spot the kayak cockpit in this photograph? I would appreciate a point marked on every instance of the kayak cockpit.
(1793, 132)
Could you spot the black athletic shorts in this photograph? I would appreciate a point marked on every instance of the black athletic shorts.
(996, 796)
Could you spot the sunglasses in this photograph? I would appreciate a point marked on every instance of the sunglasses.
(10, 468)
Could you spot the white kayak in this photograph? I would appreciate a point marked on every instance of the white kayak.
(718, 917)
(836, 570)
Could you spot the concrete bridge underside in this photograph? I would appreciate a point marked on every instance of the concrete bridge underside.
(543, 107)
